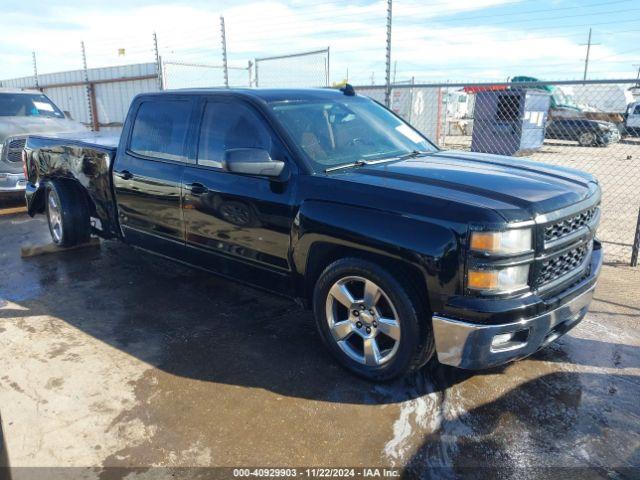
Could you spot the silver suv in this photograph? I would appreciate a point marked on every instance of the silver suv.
(24, 113)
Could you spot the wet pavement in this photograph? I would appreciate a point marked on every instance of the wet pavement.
(111, 357)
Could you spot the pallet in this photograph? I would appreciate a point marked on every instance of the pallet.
(13, 210)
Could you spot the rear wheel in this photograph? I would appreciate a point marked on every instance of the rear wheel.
(372, 323)
(67, 214)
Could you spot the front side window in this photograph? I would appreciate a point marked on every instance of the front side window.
(160, 129)
(28, 105)
(226, 126)
(637, 110)
(344, 130)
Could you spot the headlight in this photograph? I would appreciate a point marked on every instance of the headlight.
(499, 280)
(507, 242)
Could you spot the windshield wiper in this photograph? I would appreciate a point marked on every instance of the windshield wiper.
(357, 163)
(414, 154)
(362, 163)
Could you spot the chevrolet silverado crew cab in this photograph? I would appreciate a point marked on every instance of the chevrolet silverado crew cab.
(403, 251)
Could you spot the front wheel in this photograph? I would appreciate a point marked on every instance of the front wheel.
(67, 214)
(372, 323)
(587, 139)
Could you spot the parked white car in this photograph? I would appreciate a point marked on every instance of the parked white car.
(23, 113)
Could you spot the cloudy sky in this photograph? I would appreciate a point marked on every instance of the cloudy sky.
(463, 40)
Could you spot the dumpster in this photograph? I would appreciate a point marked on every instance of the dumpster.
(510, 122)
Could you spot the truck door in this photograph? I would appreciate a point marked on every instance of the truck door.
(148, 170)
(633, 119)
(241, 223)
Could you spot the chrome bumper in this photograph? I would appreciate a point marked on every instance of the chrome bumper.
(12, 182)
(476, 346)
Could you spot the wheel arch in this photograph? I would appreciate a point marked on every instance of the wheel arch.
(425, 253)
(324, 253)
(37, 203)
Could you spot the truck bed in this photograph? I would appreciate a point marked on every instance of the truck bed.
(86, 158)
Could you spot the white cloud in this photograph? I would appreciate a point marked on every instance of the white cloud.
(356, 33)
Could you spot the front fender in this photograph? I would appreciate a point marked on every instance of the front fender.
(430, 246)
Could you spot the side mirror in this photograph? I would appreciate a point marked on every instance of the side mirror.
(67, 115)
(252, 161)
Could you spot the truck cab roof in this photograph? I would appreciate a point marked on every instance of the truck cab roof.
(265, 94)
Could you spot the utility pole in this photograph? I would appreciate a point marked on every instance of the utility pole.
(35, 70)
(638, 75)
(224, 52)
(156, 51)
(328, 64)
(586, 60)
(387, 90)
(90, 93)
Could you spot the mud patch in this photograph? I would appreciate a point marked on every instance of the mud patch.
(60, 348)
(12, 384)
(54, 383)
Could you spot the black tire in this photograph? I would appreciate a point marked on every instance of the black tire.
(416, 343)
(73, 211)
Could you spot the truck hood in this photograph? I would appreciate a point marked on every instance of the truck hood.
(12, 126)
(517, 189)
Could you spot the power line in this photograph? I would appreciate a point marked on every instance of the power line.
(332, 15)
(496, 15)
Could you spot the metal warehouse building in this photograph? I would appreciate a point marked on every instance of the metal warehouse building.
(101, 98)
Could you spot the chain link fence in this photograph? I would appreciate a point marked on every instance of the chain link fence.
(592, 126)
(306, 69)
(202, 75)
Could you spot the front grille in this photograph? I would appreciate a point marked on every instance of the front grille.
(14, 149)
(566, 226)
(560, 265)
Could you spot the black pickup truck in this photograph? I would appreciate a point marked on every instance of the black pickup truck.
(402, 250)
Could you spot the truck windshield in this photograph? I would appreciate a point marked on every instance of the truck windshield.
(27, 105)
(347, 130)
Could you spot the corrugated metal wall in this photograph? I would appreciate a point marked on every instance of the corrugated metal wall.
(112, 98)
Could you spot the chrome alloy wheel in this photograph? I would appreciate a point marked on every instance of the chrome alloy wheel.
(363, 321)
(55, 217)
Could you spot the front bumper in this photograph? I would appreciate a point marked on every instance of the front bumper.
(476, 346)
(12, 183)
(609, 137)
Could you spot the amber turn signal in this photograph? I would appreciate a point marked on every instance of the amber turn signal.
(485, 241)
(483, 279)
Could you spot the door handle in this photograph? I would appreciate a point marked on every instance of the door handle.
(126, 175)
(197, 188)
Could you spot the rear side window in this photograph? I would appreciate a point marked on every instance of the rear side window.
(637, 110)
(230, 125)
(160, 130)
